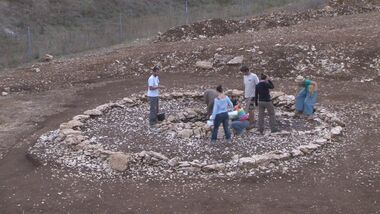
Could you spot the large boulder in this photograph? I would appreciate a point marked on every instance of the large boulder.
(186, 133)
(119, 161)
(93, 112)
(204, 64)
(238, 60)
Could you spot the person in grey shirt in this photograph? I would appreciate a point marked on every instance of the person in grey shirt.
(153, 95)
(209, 97)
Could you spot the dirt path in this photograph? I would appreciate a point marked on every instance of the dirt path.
(343, 183)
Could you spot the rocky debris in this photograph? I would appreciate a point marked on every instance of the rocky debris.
(47, 58)
(218, 27)
(238, 60)
(214, 167)
(204, 65)
(4, 93)
(119, 161)
(72, 124)
(36, 70)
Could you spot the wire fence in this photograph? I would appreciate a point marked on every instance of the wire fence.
(35, 41)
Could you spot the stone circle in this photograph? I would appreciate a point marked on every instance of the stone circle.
(115, 139)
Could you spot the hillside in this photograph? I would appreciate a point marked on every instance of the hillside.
(30, 29)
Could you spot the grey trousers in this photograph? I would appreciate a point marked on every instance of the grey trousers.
(153, 103)
(270, 108)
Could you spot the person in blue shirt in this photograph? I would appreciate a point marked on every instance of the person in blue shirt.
(306, 98)
(222, 104)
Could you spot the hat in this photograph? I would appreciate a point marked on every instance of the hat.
(300, 79)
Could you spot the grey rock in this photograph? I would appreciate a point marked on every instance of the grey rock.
(119, 161)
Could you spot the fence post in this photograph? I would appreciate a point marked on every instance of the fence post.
(29, 51)
(120, 28)
(187, 11)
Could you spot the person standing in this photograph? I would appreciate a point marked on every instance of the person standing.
(153, 95)
(220, 115)
(209, 97)
(264, 102)
(250, 82)
(306, 98)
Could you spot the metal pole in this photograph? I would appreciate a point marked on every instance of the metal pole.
(29, 45)
(120, 28)
(187, 11)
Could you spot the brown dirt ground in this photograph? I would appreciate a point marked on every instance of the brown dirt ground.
(348, 181)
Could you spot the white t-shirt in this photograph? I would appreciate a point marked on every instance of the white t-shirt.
(250, 82)
(153, 81)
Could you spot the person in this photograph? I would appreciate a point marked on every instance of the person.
(250, 82)
(241, 123)
(209, 96)
(306, 97)
(153, 95)
(222, 103)
(264, 102)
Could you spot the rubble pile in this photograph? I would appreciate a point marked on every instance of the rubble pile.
(115, 139)
(220, 27)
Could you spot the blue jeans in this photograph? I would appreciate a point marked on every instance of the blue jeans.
(239, 126)
(221, 118)
(305, 102)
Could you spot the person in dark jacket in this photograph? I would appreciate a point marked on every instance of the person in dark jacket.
(264, 102)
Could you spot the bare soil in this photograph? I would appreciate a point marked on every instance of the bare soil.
(343, 179)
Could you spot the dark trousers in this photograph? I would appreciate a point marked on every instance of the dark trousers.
(221, 118)
(153, 103)
(270, 108)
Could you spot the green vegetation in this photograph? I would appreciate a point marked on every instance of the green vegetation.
(68, 26)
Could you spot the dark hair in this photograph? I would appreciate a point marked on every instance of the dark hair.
(219, 89)
(263, 76)
(244, 68)
(156, 68)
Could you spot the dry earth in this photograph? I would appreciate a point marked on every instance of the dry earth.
(341, 179)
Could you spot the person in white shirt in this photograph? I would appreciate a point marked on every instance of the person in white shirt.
(250, 82)
(153, 95)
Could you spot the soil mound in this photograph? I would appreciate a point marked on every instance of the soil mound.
(219, 27)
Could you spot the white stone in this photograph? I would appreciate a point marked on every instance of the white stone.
(204, 64)
(336, 131)
(236, 60)
(119, 161)
(4, 93)
(72, 124)
(81, 117)
(93, 112)
(157, 155)
(300, 78)
(296, 153)
(70, 132)
(174, 161)
(128, 100)
(186, 133)
(247, 162)
(214, 167)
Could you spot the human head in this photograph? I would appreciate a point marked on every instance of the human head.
(219, 89)
(244, 69)
(155, 70)
(263, 77)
